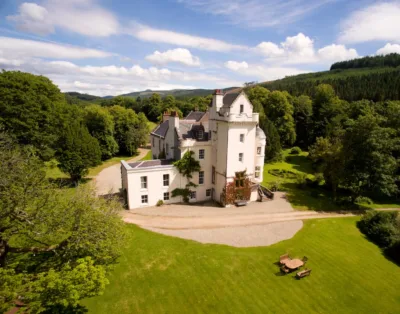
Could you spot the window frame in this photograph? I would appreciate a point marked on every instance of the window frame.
(166, 174)
(241, 110)
(241, 157)
(204, 153)
(208, 193)
(144, 197)
(166, 196)
(259, 150)
(193, 193)
(201, 177)
(144, 182)
(257, 172)
(213, 175)
(241, 138)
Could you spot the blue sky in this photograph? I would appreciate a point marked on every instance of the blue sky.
(109, 47)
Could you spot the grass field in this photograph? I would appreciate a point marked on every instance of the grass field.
(148, 156)
(160, 274)
(307, 198)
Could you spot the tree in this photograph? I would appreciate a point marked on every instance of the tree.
(273, 149)
(280, 112)
(78, 151)
(153, 107)
(126, 123)
(100, 124)
(302, 106)
(63, 245)
(138, 134)
(31, 108)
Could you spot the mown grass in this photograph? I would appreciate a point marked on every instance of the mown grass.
(148, 156)
(161, 274)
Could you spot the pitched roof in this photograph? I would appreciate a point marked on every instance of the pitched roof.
(229, 99)
(195, 115)
(161, 129)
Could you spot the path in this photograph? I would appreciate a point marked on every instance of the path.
(109, 179)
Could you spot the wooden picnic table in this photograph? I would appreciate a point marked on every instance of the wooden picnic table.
(294, 263)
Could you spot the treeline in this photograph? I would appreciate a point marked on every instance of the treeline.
(374, 84)
(354, 145)
(390, 60)
(36, 114)
(154, 106)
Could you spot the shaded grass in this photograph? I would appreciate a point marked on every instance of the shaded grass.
(148, 156)
(301, 198)
(161, 274)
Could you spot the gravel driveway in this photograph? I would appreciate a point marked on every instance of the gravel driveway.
(109, 179)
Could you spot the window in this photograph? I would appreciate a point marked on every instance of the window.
(166, 179)
(200, 135)
(193, 195)
(239, 179)
(167, 149)
(201, 177)
(166, 196)
(201, 154)
(257, 172)
(242, 138)
(258, 150)
(208, 193)
(143, 182)
(241, 157)
(241, 108)
(145, 199)
(213, 175)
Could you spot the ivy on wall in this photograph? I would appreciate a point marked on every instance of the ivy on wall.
(238, 189)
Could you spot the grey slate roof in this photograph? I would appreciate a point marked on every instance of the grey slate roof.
(229, 99)
(195, 115)
(151, 163)
(161, 129)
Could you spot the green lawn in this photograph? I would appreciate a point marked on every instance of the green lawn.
(160, 274)
(148, 156)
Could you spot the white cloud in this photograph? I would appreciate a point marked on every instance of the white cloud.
(147, 33)
(23, 48)
(178, 55)
(83, 17)
(257, 13)
(379, 21)
(261, 72)
(300, 49)
(337, 53)
(236, 66)
(389, 48)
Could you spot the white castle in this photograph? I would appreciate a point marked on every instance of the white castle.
(227, 142)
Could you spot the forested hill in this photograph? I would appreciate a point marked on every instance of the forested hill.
(390, 60)
(177, 93)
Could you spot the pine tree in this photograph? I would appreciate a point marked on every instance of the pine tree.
(273, 147)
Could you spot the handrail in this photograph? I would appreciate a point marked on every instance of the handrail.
(266, 192)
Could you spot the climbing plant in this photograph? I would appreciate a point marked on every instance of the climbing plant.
(186, 166)
(238, 189)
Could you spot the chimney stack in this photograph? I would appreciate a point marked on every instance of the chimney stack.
(218, 99)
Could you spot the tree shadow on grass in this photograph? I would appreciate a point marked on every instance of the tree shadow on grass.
(63, 183)
(79, 309)
(300, 163)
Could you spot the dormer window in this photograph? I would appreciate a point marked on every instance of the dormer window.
(241, 108)
(200, 135)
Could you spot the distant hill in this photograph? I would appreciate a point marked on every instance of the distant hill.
(85, 97)
(177, 93)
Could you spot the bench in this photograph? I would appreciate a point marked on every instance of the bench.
(240, 203)
(285, 270)
(303, 273)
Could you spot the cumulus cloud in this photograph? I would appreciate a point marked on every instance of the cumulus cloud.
(178, 55)
(337, 53)
(257, 13)
(236, 66)
(261, 72)
(389, 48)
(23, 48)
(379, 21)
(300, 49)
(83, 17)
(150, 34)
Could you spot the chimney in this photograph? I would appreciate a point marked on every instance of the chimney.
(166, 116)
(218, 99)
(173, 120)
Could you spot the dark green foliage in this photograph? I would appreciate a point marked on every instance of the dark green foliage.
(390, 60)
(303, 109)
(382, 227)
(78, 151)
(31, 109)
(273, 149)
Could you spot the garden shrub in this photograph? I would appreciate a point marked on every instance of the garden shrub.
(363, 200)
(301, 180)
(160, 203)
(287, 174)
(295, 150)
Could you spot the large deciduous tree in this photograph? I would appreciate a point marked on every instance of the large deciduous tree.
(54, 250)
